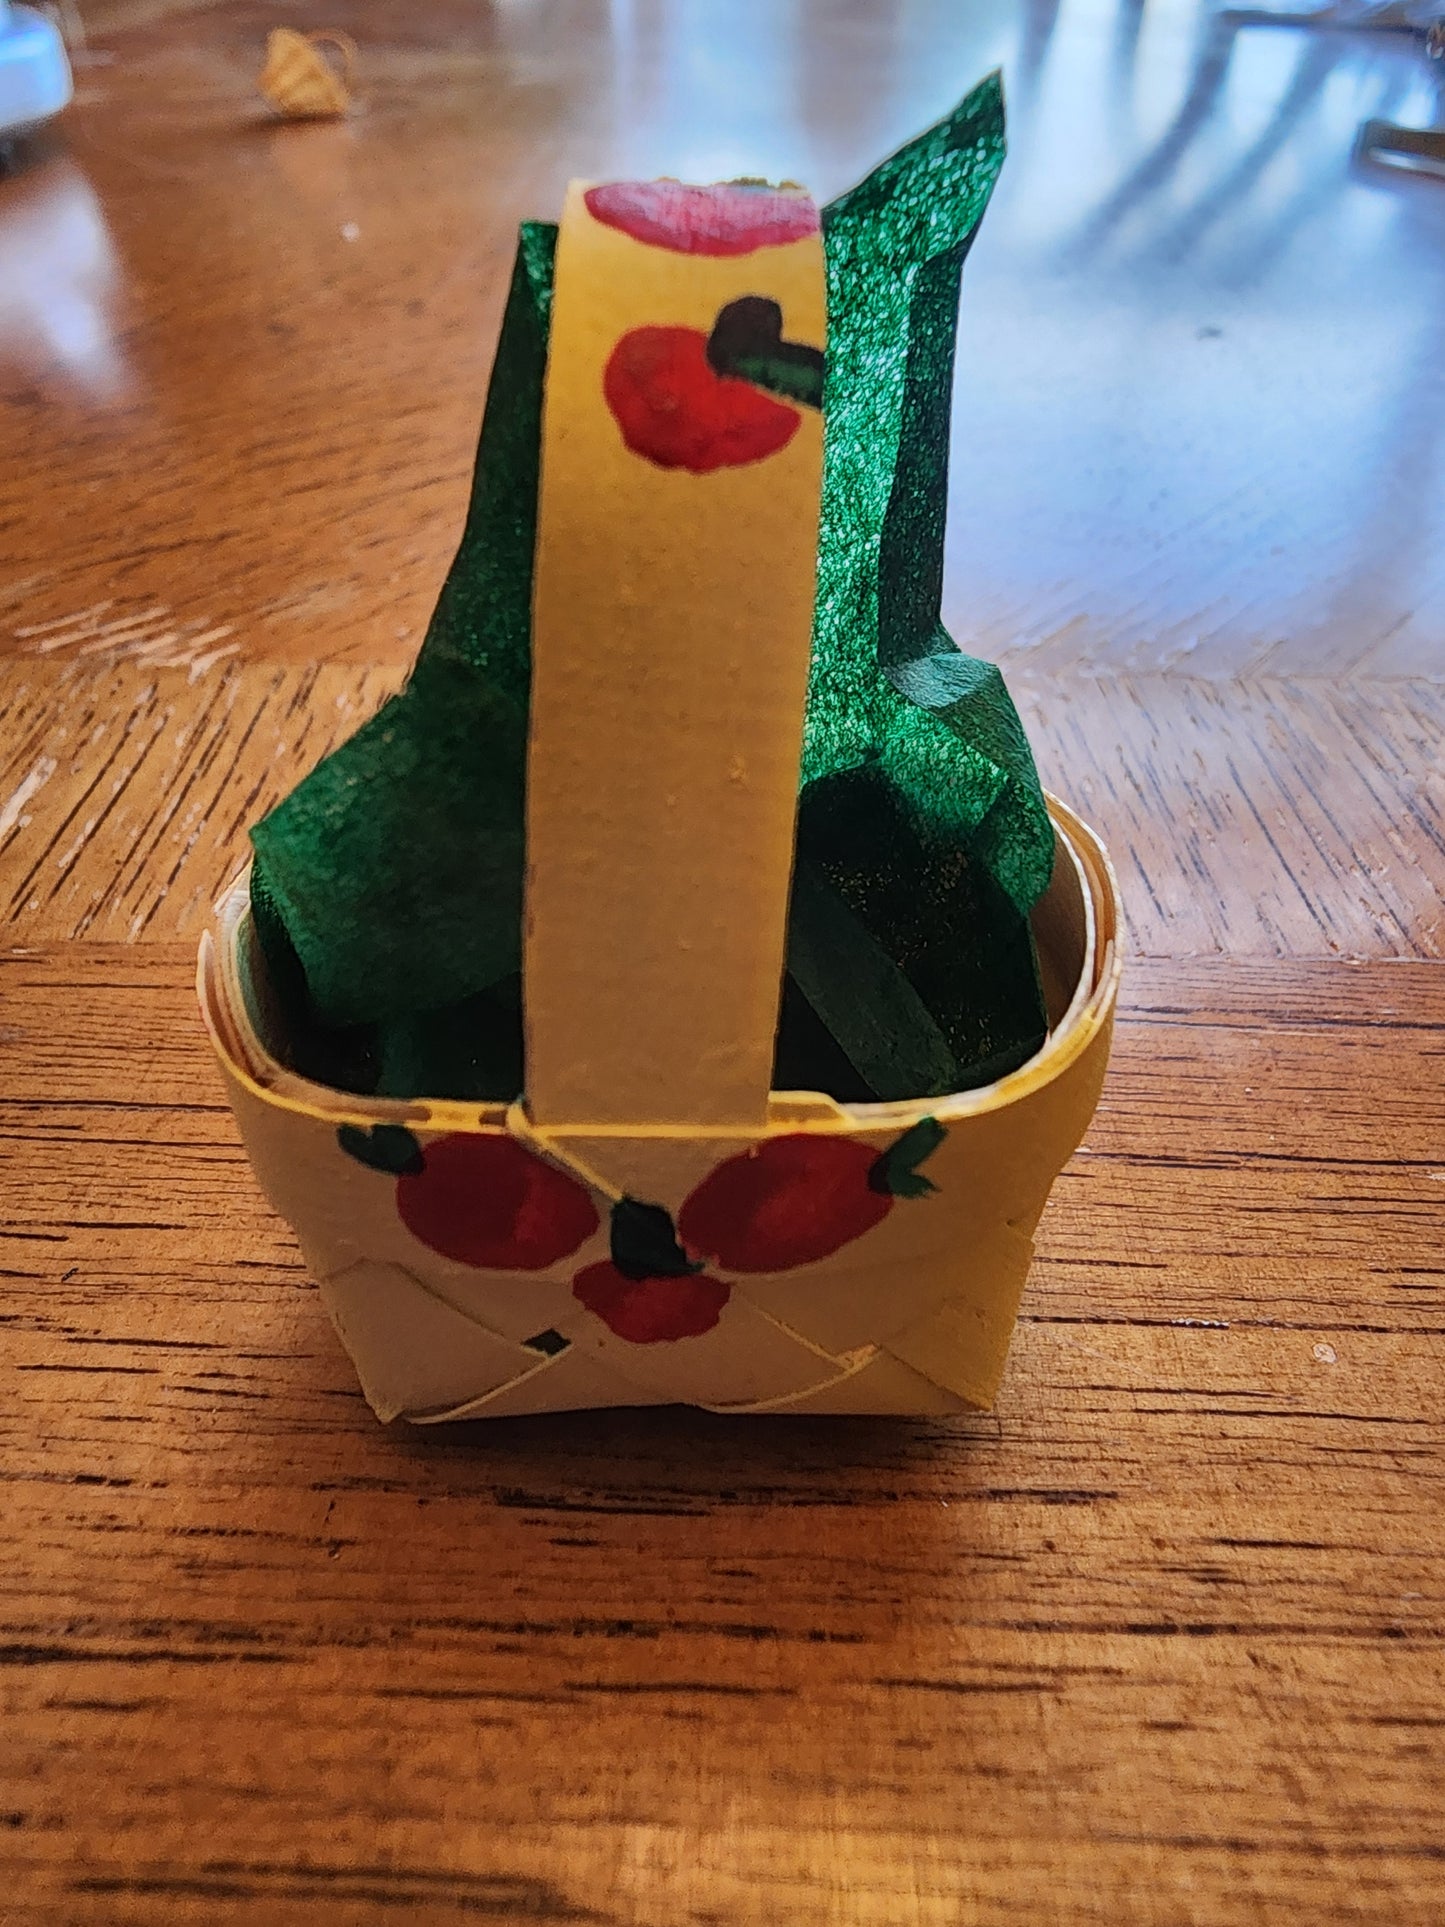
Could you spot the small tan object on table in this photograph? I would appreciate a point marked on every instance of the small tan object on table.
(298, 80)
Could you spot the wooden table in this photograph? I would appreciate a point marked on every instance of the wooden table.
(1157, 1641)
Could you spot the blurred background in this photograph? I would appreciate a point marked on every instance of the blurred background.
(1200, 379)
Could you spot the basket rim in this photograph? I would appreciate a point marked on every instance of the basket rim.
(245, 1057)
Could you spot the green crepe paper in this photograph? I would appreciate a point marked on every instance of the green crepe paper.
(921, 806)
(387, 888)
(396, 866)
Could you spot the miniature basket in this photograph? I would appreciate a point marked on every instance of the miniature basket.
(462, 1251)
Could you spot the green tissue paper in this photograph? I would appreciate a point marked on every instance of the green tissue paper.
(396, 866)
(387, 888)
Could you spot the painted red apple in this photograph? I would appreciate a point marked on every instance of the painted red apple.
(723, 220)
(675, 410)
(647, 1311)
(489, 1202)
(796, 1199)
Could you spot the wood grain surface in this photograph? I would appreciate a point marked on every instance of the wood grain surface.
(1247, 818)
(1164, 1629)
(1159, 1641)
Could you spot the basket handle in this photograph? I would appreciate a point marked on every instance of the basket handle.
(672, 623)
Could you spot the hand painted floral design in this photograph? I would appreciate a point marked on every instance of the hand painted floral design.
(795, 1200)
(788, 1201)
(479, 1200)
(489, 1202)
(651, 1290)
(649, 1310)
(703, 401)
(676, 411)
(723, 220)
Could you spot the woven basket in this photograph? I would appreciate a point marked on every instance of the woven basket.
(913, 1317)
(662, 781)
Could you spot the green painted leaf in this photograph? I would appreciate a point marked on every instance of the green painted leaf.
(385, 1147)
(644, 1242)
(747, 343)
(896, 1171)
